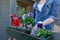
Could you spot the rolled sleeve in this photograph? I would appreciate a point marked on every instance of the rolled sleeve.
(55, 9)
(55, 18)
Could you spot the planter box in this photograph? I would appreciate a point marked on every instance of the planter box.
(19, 35)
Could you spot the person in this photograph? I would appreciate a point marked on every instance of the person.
(45, 12)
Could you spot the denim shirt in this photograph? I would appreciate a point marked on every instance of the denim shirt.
(50, 9)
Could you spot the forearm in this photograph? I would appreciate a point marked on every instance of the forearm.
(48, 21)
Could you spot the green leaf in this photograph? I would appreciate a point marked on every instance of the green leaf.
(21, 21)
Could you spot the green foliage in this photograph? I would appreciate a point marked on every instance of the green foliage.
(21, 21)
(42, 32)
(27, 20)
(49, 33)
